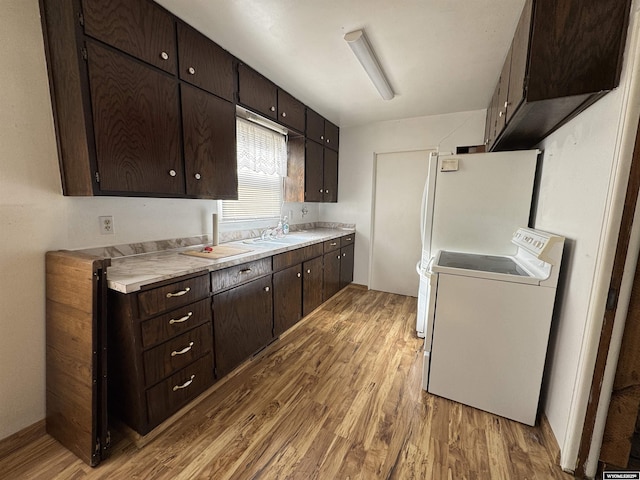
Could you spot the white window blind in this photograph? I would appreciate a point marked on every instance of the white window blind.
(262, 162)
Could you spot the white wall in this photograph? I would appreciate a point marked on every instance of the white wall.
(35, 217)
(358, 148)
(582, 187)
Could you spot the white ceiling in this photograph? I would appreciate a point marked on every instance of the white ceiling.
(440, 56)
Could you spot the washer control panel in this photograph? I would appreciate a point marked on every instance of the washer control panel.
(539, 244)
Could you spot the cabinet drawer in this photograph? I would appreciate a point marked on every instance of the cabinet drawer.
(158, 329)
(330, 245)
(173, 355)
(294, 257)
(347, 240)
(223, 279)
(169, 297)
(168, 396)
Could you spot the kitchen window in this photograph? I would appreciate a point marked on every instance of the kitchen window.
(262, 165)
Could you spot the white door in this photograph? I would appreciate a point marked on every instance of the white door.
(396, 245)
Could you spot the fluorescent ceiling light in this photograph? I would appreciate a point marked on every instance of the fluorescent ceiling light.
(362, 50)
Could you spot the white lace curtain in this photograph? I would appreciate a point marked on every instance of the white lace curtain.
(261, 150)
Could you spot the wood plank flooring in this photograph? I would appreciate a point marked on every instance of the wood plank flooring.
(337, 397)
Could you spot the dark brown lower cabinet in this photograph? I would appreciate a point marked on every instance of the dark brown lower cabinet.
(162, 356)
(331, 262)
(346, 265)
(242, 323)
(287, 298)
(311, 285)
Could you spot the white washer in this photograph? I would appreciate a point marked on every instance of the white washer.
(489, 325)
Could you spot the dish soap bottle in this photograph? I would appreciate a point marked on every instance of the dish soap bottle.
(285, 226)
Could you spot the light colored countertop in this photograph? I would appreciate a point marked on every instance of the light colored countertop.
(129, 273)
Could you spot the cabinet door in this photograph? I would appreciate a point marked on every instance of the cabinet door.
(205, 64)
(136, 124)
(209, 133)
(492, 116)
(291, 112)
(287, 298)
(242, 323)
(256, 92)
(315, 126)
(503, 91)
(519, 50)
(331, 274)
(137, 27)
(314, 172)
(311, 285)
(331, 135)
(330, 180)
(346, 265)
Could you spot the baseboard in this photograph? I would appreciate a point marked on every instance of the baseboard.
(22, 438)
(550, 439)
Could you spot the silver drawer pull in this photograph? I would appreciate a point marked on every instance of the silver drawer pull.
(164, 56)
(344, 254)
(245, 270)
(266, 289)
(308, 270)
(338, 257)
(185, 384)
(181, 320)
(349, 239)
(179, 294)
(334, 244)
(183, 351)
(299, 274)
(191, 70)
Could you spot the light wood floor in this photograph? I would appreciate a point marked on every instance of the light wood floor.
(338, 397)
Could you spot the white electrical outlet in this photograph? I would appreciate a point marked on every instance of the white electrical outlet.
(106, 225)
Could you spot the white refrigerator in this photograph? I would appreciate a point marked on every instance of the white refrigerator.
(471, 203)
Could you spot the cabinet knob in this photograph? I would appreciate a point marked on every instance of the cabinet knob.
(338, 257)
(506, 104)
(321, 137)
(328, 140)
(164, 55)
(198, 176)
(284, 114)
(273, 109)
(500, 114)
(192, 71)
(308, 270)
(299, 274)
(326, 191)
(266, 289)
(344, 254)
(321, 191)
(172, 173)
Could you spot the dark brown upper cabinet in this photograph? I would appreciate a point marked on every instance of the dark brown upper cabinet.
(322, 131)
(563, 58)
(128, 120)
(137, 27)
(205, 64)
(209, 132)
(136, 125)
(291, 112)
(257, 92)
